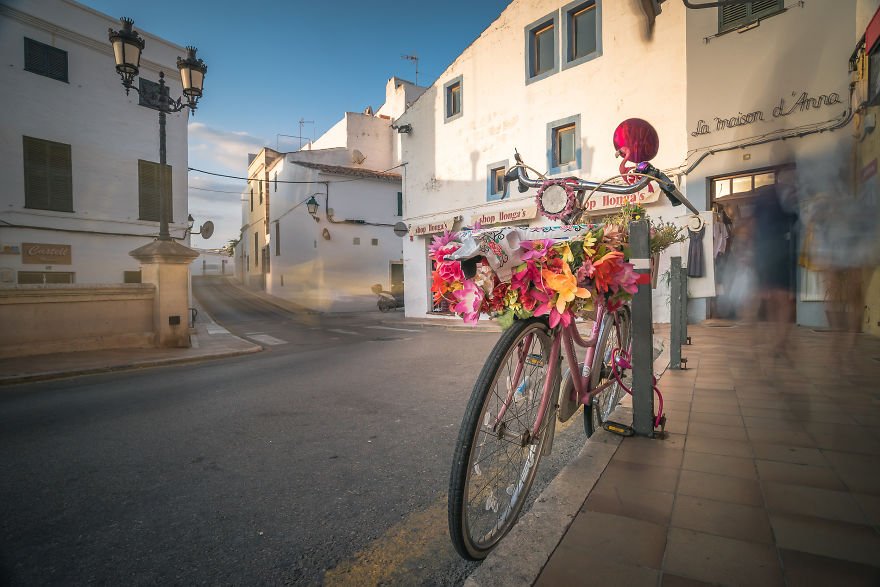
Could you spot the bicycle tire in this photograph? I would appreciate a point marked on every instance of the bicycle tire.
(479, 517)
(601, 407)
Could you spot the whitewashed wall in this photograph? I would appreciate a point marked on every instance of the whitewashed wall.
(804, 49)
(107, 130)
(633, 77)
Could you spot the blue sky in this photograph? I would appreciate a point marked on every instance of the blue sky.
(274, 62)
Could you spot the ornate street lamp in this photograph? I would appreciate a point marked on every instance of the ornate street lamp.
(127, 47)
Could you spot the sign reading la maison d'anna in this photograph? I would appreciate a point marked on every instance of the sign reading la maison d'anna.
(799, 103)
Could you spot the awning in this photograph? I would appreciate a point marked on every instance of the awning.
(437, 225)
(500, 214)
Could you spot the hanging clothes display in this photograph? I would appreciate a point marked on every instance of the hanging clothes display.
(696, 264)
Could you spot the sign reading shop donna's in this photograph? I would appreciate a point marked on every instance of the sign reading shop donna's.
(431, 227)
(500, 215)
(45, 254)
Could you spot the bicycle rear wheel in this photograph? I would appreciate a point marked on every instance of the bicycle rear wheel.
(496, 460)
(610, 338)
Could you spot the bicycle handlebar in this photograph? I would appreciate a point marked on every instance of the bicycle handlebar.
(667, 186)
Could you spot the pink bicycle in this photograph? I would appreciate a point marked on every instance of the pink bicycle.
(509, 422)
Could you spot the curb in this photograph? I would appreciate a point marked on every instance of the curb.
(48, 375)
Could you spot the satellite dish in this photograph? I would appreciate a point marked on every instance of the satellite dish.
(357, 157)
(207, 230)
(400, 229)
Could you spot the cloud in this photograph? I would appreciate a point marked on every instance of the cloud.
(227, 150)
(215, 198)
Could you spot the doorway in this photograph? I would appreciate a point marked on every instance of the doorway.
(755, 245)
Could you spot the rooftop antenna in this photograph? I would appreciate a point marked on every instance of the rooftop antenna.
(301, 123)
(414, 58)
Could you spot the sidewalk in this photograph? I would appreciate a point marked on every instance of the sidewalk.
(770, 475)
(209, 341)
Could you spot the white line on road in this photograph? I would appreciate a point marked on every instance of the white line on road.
(214, 329)
(343, 331)
(267, 339)
(392, 328)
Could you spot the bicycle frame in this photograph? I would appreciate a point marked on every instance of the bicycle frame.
(581, 378)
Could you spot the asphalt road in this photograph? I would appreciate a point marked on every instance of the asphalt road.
(324, 459)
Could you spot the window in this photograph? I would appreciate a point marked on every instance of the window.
(252, 199)
(44, 277)
(874, 75)
(563, 141)
(48, 176)
(148, 191)
(452, 92)
(256, 250)
(131, 277)
(741, 184)
(399, 203)
(496, 188)
(356, 240)
(541, 48)
(260, 187)
(275, 178)
(581, 38)
(374, 242)
(44, 59)
(734, 16)
(277, 238)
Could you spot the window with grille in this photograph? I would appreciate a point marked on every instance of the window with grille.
(45, 60)
(733, 16)
(148, 191)
(48, 175)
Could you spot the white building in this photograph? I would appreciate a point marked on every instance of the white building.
(553, 79)
(328, 261)
(78, 157)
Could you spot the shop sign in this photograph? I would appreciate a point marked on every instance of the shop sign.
(601, 201)
(45, 254)
(501, 215)
(431, 227)
(9, 249)
(801, 102)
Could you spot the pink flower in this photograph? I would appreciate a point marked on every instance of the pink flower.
(450, 271)
(469, 299)
(549, 307)
(536, 249)
(625, 278)
(439, 242)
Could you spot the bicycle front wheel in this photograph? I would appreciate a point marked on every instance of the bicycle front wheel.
(497, 456)
(611, 336)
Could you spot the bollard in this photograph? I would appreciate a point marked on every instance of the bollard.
(684, 306)
(642, 341)
(675, 335)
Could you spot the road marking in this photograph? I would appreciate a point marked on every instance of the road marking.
(343, 331)
(267, 339)
(392, 328)
(215, 329)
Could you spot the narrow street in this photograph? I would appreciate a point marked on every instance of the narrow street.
(323, 459)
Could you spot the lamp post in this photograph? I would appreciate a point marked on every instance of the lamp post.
(127, 48)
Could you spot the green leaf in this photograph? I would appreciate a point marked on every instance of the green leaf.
(505, 320)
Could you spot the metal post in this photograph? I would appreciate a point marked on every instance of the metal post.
(684, 306)
(676, 339)
(642, 344)
(164, 235)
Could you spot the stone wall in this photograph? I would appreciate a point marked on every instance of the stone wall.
(40, 319)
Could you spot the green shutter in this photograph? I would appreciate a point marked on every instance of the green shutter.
(48, 176)
(44, 59)
(761, 8)
(734, 16)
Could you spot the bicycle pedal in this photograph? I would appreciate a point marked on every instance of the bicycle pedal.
(618, 428)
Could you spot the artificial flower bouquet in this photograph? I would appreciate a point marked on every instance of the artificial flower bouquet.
(516, 273)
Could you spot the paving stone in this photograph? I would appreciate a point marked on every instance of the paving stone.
(789, 454)
(718, 446)
(619, 539)
(833, 539)
(743, 468)
(813, 501)
(722, 518)
(718, 431)
(716, 559)
(631, 501)
(720, 487)
(810, 570)
(792, 474)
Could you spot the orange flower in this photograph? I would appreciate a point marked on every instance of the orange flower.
(565, 285)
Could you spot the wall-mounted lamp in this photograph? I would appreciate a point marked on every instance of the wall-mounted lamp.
(312, 205)
(326, 234)
(403, 129)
